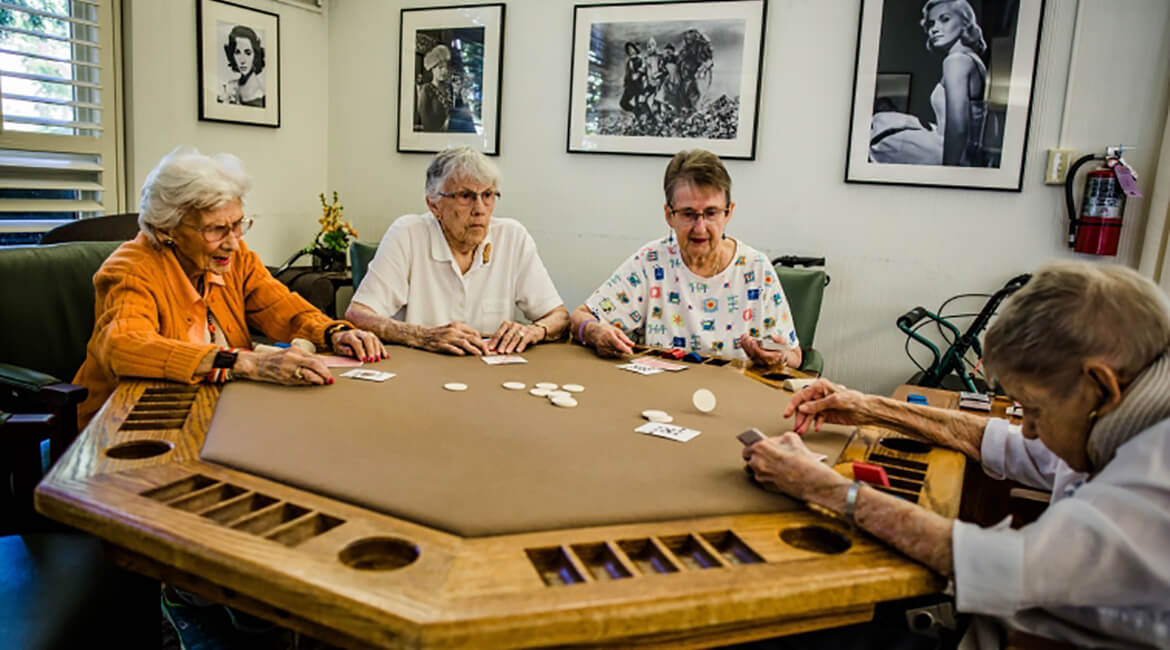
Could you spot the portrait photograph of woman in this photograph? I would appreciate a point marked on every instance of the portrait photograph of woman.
(934, 84)
(239, 64)
(242, 80)
(449, 80)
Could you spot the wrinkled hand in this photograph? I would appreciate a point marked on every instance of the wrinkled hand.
(762, 357)
(454, 338)
(785, 464)
(823, 401)
(609, 341)
(291, 367)
(514, 337)
(359, 344)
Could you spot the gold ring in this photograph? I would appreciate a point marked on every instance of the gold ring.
(299, 375)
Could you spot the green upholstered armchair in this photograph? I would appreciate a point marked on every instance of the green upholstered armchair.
(805, 288)
(47, 295)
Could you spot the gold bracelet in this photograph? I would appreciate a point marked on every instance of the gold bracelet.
(333, 329)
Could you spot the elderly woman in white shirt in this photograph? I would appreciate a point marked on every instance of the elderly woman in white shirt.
(696, 289)
(1085, 348)
(449, 281)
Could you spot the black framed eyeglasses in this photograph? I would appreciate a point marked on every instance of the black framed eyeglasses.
(213, 234)
(690, 216)
(467, 197)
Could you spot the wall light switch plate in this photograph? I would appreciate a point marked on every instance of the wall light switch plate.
(1058, 163)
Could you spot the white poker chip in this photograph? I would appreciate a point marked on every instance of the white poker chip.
(573, 388)
(553, 394)
(455, 386)
(546, 385)
(654, 415)
(539, 392)
(704, 400)
(565, 402)
(514, 385)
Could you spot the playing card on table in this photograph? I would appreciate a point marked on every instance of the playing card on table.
(368, 375)
(640, 369)
(669, 431)
(334, 361)
(655, 362)
(503, 359)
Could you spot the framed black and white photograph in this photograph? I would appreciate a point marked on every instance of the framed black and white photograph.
(658, 77)
(450, 68)
(942, 92)
(239, 63)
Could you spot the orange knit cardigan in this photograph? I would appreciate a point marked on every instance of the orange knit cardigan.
(149, 320)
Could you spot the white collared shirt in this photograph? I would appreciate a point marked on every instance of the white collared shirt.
(1094, 569)
(414, 276)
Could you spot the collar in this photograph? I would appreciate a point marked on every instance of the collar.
(441, 250)
(1146, 402)
(177, 278)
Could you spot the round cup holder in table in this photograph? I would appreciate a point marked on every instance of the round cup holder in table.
(139, 449)
(378, 554)
(816, 539)
(906, 445)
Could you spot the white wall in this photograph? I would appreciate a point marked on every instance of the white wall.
(288, 164)
(889, 248)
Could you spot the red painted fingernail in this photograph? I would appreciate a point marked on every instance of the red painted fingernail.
(331, 380)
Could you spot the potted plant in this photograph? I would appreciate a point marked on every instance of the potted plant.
(330, 245)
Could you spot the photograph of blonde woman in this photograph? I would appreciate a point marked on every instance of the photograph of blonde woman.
(946, 48)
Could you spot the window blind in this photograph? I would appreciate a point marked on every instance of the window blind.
(57, 141)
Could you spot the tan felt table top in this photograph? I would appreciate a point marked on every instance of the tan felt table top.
(491, 461)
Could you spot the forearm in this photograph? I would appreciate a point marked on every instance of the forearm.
(387, 329)
(913, 530)
(554, 323)
(580, 322)
(954, 429)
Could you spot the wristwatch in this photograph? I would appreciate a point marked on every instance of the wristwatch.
(225, 359)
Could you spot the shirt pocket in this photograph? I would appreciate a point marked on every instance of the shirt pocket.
(494, 312)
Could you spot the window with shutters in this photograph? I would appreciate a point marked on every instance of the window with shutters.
(59, 114)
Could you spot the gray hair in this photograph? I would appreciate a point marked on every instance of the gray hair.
(188, 182)
(1070, 312)
(462, 163)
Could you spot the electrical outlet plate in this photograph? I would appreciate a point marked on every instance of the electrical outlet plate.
(1058, 163)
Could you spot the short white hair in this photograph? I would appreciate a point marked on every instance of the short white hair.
(1073, 311)
(188, 182)
(463, 163)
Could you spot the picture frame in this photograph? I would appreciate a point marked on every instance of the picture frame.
(238, 84)
(654, 78)
(990, 73)
(450, 73)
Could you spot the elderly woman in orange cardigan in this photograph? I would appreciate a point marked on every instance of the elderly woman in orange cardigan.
(176, 302)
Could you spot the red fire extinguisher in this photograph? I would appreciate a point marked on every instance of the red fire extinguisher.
(1096, 229)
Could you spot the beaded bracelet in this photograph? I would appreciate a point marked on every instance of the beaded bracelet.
(222, 375)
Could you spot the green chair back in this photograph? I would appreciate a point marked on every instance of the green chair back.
(360, 255)
(805, 289)
(48, 299)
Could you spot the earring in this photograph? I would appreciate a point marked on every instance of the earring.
(1093, 415)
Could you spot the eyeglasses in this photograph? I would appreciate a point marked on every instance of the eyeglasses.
(213, 234)
(690, 217)
(467, 197)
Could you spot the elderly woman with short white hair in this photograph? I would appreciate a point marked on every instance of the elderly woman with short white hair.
(450, 280)
(177, 301)
(1085, 348)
